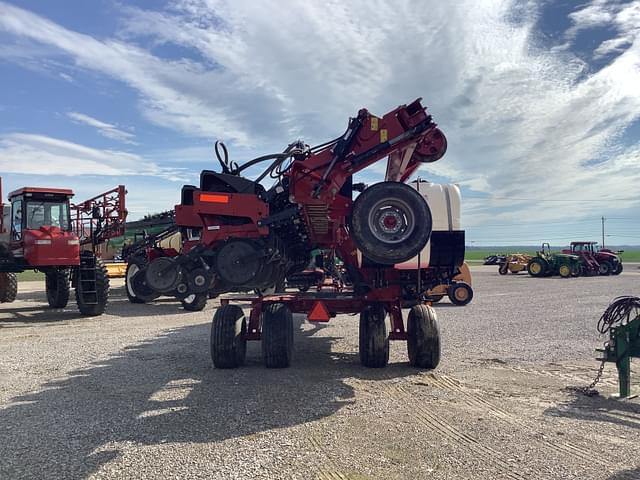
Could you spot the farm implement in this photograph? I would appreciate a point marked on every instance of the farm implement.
(49, 234)
(621, 320)
(514, 263)
(238, 236)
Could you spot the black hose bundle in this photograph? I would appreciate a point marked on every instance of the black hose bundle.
(619, 312)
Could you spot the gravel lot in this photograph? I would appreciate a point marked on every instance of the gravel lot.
(133, 394)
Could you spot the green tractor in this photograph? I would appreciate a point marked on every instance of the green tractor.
(546, 264)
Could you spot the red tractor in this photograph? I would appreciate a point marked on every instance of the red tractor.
(238, 236)
(48, 234)
(595, 261)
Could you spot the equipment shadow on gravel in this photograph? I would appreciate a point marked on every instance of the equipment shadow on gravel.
(165, 390)
(600, 409)
(118, 306)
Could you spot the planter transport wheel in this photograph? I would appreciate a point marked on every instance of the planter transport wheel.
(503, 269)
(277, 335)
(460, 293)
(8, 287)
(374, 339)
(57, 286)
(195, 302)
(228, 342)
(423, 337)
(390, 222)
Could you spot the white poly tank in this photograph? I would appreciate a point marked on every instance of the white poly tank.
(444, 201)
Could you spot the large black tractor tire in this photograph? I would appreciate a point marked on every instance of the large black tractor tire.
(605, 269)
(503, 269)
(228, 342)
(92, 285)
(390, 223)
(460, 293)
(135, 282)
(618, 269)
(277, 335)
(8, 287)
(373, 338)
(537, 267)
(57, 286)
(195, 302)
(423, 337)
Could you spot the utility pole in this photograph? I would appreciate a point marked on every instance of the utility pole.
(602, 232)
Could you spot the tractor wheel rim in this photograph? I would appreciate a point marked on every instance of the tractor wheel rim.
(133, 269)
(391, 220)
(536, 268)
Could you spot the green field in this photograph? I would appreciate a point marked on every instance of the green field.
(477, 255)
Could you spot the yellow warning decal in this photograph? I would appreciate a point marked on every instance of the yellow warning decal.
(374, 123)
(383, 135)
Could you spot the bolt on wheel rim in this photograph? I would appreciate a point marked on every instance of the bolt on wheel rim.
(391, 221)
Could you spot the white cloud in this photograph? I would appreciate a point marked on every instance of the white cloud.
(22, 153)
(105, 129)
(517, 115)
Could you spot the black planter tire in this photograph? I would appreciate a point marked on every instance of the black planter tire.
(277, 335)
(228, 342)
(390, 223)
(423, 337)
(57, 286)
(8, 287)
(503, 269)
(195, 302)
(373, 337)
(460, 293)
(135, 283)
(92, 302)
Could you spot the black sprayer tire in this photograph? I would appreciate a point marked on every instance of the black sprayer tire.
(460, 293)
(503, 269)
(537, 267)
(423, 337)
(57, 286)
(136, 292)
(228, 342)
(373, 337)
(390, 222)
(8, 287)
(277, 335)
(92, 297)
(195, 302)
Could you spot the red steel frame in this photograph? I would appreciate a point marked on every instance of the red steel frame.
(112, 212)
(406, 135)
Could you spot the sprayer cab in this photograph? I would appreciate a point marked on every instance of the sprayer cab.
(40, 227)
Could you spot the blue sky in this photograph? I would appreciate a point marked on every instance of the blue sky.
(540, 101)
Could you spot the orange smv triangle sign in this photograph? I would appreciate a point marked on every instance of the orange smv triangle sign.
(319, 313)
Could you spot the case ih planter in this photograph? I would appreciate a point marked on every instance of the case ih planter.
(48, 234)
(240, 236)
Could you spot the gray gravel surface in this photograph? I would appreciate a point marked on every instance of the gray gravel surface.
(132, 394)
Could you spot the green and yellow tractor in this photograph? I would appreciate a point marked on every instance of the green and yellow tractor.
(546, 263)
